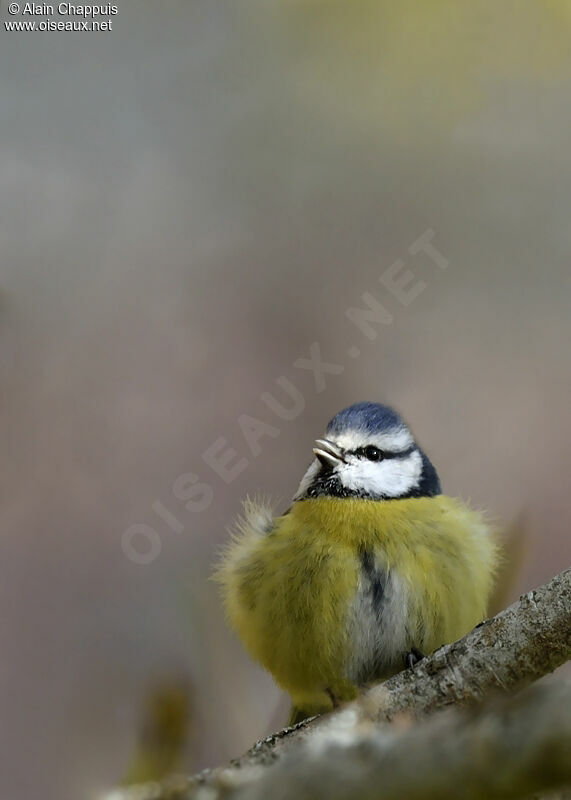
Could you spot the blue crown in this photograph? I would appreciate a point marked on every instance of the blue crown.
(367, 417)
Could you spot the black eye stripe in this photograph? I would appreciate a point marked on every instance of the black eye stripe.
(360, 453)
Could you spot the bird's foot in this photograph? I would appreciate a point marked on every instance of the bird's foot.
(341, 692)
(413, 657)
(334, 699)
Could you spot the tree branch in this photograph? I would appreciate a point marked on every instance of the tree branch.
(505, 750)
(527, 640)
(517, 749)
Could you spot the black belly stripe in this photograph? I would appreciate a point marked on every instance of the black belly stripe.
(376, 577)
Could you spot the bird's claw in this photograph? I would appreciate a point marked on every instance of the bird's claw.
(413, 657)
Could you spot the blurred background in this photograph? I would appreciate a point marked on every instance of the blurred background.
(188, 203)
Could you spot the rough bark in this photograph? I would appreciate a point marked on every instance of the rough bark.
(506, 749)
(527, 640)
(390, 744)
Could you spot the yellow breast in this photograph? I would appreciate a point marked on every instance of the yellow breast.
(297, 595)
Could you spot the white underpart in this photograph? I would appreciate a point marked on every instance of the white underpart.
(379, 637)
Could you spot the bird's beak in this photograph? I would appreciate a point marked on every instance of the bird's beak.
(328, 453)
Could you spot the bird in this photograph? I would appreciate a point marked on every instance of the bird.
(370, 569)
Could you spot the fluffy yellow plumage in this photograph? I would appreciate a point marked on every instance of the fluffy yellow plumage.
(333, 594)
(290, 593)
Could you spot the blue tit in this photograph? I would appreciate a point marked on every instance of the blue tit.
(371, 566)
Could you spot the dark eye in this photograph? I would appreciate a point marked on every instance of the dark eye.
(373, 453)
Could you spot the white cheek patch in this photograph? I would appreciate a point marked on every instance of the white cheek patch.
(393, 441)
(308, 479)
(391, 478)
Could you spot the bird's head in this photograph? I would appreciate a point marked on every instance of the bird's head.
(368, 451)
